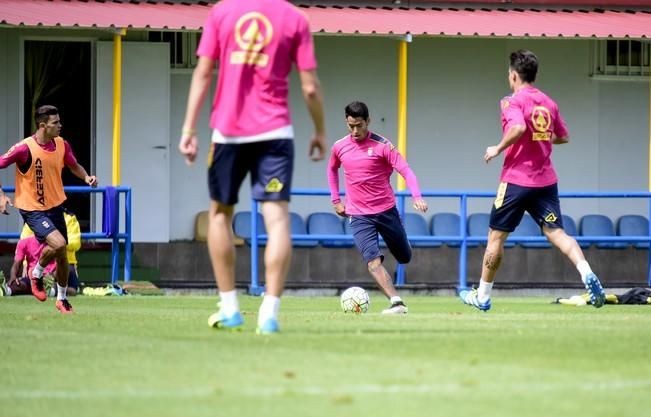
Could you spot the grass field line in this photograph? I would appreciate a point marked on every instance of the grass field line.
(313, 390)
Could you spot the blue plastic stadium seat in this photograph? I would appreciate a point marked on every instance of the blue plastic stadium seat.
(599, 225)
(569, 225)
(298, 228)
(634, 225)
(242, 226)
(446, 224)
(330, 224)
(529, 227)
(416, 225)
(478, 226)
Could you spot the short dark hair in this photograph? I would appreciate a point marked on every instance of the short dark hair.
(357, 109)
(525, 63)
(43, 113)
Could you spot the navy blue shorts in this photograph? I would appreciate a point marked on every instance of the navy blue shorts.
(513, 200)
(45, 222)
(366, 228)
(271, 164)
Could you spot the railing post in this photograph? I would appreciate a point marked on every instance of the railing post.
(400, 268)
(127, 240)
(111, 227)
(255, 288)
(463, 249)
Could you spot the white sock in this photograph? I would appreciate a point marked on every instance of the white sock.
(584, 269)
(268, 309)
(484, 291)
(229, 304)
(7, 291)
(395, 299)
(61, 292)
(37, 272)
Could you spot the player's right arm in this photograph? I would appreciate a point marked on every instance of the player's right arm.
(313, 97)
(304, 57)
(333, 182)
(510, 137)
(16, 268)
(201, 78)
(19, 257)
(515, 127)
(17, 154)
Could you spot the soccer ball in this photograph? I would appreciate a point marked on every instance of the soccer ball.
(355, 300)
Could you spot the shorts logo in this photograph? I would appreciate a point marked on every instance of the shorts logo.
(274, 186)
(253, 32)
(551, 218)
(370, 151)
(501, 192)
(45, 224)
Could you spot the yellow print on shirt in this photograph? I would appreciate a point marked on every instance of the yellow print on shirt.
(253, 32)
(541, 120)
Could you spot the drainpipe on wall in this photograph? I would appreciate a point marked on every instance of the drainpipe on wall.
(402, 102)
(117, 102)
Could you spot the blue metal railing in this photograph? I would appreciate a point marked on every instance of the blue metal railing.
(115, 237)
(462, 237)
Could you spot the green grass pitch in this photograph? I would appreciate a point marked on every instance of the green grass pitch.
(156, 356)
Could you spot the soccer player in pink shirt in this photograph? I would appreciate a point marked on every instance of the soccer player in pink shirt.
(369, 160)
(531, 124)
(27, 250)
(256, 43)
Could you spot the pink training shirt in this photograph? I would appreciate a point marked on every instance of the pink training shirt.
(528, 161)
(30, 249)
(256, 43)
(368, 165)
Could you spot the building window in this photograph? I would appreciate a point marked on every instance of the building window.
(621, 57)
(183, 46)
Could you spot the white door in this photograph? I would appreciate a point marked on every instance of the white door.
(145, 145)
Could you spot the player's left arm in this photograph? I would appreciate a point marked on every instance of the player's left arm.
(560, 135)
(76, 168)
(399, 164)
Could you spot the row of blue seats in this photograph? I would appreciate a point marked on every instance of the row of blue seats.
(447, 224)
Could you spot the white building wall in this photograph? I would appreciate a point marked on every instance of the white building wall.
(454, 90)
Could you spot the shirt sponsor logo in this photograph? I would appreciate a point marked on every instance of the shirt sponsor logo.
(274, 186)
(253, 32)
(541, 120)
(40, 191)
